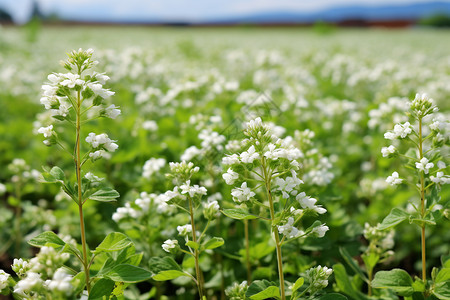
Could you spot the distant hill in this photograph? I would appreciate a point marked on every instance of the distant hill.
(412, 11)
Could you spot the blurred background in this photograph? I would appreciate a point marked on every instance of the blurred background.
(361, 13)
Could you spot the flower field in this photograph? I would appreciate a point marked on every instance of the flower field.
(224, 163)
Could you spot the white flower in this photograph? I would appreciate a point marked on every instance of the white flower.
(385, 151)
(46, 131)
(242, 194)
(289, 230)
(230, 160)
(2, 188)
(4, 279)
(97, 154)
(169, 245)
(32, 281)
(286, 186)
(152, 166)
(210, 209)
(249, 156)
(98, 90)
(192, 190)
(101, 140)
(150, 125)
(440, 178)
(112, 111)
(71, 80)
(184, 230)
(230, 176)
(400, 130)
(320, 230)
(394, 179)
(61, 282)
(92, 178)
(424, 165)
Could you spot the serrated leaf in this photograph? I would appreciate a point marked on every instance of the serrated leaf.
(395, 217)
(105, 195)
(298, 284)
(48, 238)
(238, 214)
(214, 243)
(168, 275)
(102, 288)
(396, 279)
(128, 273)
(114, 241)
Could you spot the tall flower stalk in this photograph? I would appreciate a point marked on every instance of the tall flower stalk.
(425, 159)
(72, 98)
(271, 164)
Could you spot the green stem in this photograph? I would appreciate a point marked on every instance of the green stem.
(267, 179)
(196, 252)
(18, 219)
(80, 196)
(370, 275)
(247, 253)
(422, 204)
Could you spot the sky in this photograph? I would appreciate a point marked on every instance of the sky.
(172, 10)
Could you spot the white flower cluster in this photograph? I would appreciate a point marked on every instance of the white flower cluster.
(169, 245)
(193, 190)
(61, 282)
(386, 151)
(32, 282)
(184, 230)
(4, 277)
(152, 166)
(400, 131)
(288, 185)
(307, 202)
(100, 143)
(394, 179)
(289, 230)
(141, 206)
(242, 194)
(440, 178)
(22, 171)
(383, 239)
(424, 165)
(318, 277)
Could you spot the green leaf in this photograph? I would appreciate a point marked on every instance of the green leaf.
(418, 285)
(396, 279)
(395, 217)
(263, 289)
(193, 245)
(214, 243)
(351, 262)
(103, 287)
(168, 275)
(114, 241)
(298, 284)
(105, 195)
(48, 238)
(370, 260)
(442, 290)
(69, 248)
(344, 284)
(128, 273)
(79, 282)
(57, 173)
(238, 214)
(158, 264)
(443, 275)
(332, 296)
